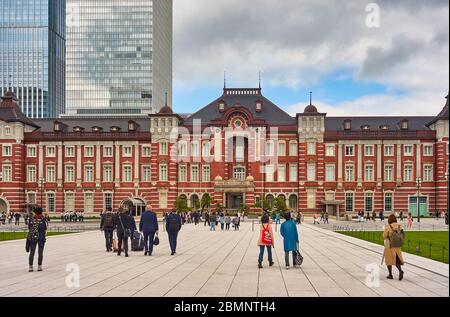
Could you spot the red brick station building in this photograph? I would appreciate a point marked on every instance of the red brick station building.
(239, 149)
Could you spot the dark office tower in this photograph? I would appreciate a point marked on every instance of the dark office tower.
(32, 54)
(119, 57)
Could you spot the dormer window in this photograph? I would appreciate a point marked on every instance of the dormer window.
(365, 127)
(404, 125)
(131, 126)
(97, 129)
(57, 127)
(78, 129)
(221, 106)
(384, 127)
(258, 106)
(115, 129)
(347, 125)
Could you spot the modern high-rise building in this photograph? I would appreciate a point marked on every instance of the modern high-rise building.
(119, 57)
(32, 55)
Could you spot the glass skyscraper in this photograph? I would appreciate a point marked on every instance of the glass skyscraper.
(119, 56)
(32, 54)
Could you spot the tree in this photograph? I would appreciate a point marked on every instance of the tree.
(280, 205)
(181, 204)
(263, 204)
(205, 202)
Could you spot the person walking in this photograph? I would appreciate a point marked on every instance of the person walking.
(374, 216)
(107, 226)
(207, 219)
(401, 216)
(227, 222)
(222, 221)
(37, 229)
(289, 233)
(148, 225)
(316, 220)
(236, 223)
(393, 247)
(325, 217)
(277, 218)
(17, 218)
(382, 216)
(446, 217)
(125, 226)
(266, 240)
(212, 222)
(410, 221)
(173, 226)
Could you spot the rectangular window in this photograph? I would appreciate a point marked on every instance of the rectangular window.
(311, 148)
(50, 151)
(428, 173)
(408, 173)
(349, 150)
(330, 150)
(269, 148)
(269, 169)
(206, 177)
(349, 173)
(368, 202)
(293, 173)
(349, 197)
(7, 173)
(31, 198)
(281, 173)
(330, 173)
(107, 200)
(194, 149)
(31, 151)
(127, 173)
(311, 199)
(281, 149)
(70, 151)
(31, 174)
(146, 151)
(206, 149)
(7, 150)
(70, 174)
(183, 174)
(88, 151)
(163, 173)
(88, 202)
(163, 148)
(163, 200)
(107, 173)
(194, 173)
(388, 150)
(368, 173)
(107, 151)
(293, 149)
(388, 202)
(146, 173)
(89, 173)
(389, 173)
(127, 151)
(368, 150)
(311, 173)
(69, 202)
(50, 202)
(428, 150)
(51, 174)
(408, 150)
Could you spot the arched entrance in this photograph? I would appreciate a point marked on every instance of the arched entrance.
(134, 205)
(4, 208)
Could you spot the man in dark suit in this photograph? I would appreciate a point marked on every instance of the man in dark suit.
(125, 226)
(173, 226)
(149, 227)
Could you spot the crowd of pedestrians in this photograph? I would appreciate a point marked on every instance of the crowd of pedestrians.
(72, 216)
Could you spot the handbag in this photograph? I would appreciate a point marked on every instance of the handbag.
(298, 257)
(126, 232)
(156, 240)
(27, 245)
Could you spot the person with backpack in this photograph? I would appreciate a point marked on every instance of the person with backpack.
(288, 231)
(266, 240)
(125, 226)
(236, 223)
(173, 226)
(212, 222)
(393, 242)
(37, 227)
(149, 226)
(107, 226)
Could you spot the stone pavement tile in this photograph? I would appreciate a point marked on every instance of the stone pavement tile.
(331, 292)
(295, 293)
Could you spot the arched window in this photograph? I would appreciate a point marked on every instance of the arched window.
(293, 202)
(270, 200)
(195, 202)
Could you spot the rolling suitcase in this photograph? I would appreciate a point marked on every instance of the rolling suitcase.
(137, 242)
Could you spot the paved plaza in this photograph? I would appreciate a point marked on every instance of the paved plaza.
(216, 264)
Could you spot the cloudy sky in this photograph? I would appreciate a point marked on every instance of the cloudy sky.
(323, 46)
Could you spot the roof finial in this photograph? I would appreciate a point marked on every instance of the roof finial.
(166, 99)
(310, 98)
(259, 79)
(224, 79)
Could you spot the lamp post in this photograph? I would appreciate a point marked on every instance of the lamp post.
(418, 185)
(41, 185)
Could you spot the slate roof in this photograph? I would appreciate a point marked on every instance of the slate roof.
(443, 115)
(10, 111)
(87, 123)
(270, 112)
(415, 122)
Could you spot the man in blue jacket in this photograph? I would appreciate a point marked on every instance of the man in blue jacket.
(173, 226)
(149, 226)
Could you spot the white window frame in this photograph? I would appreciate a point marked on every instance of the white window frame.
(388, 152)
(407, 146)
(347, 195)
(281, 148)
(31, 148)
(369, 177)
(31, 175)
(281, 173)
(352, 178)
(108, 151)
(50, 151)
(206, 173)
(328, 178)
(146, 151)
(428, 150)
(146, 173)
(392, 201)
(7, 171)
(311, 172)
(163, 172)
(391, 167)
(195, 174)
(428, 175)
(350, 148)
(66, 173)
(127, 151)
(108, 173)
(86, 173)
(127, 173)
(164, 148)
(311, 148)
(366, 196)
(293, 148)
(88, 206)
(182, 176)
(293, 172)
(47, 200)
(69, 149)
(50, 176)
(368, 152)
(408, 179)
(330, 150)
(88, 151)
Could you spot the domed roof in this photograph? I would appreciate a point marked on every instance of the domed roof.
(166, 110)
(250, 178)
(311, 109)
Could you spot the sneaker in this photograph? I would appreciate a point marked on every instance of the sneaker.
(271, 263)
(287, 267)
(390, 277)
(400, 277)
(30, 269)
(145, 253)
(40, 268)
(172, 253)
(260, 265)
(126, 255)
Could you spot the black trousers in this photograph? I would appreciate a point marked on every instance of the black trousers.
(33, 246)
(108, 238)
(173, 240)
(227, 226)
(122, 239)
(286, 257)
(149, 237)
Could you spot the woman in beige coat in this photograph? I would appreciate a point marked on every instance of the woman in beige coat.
(392, 256)
(265, 240)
